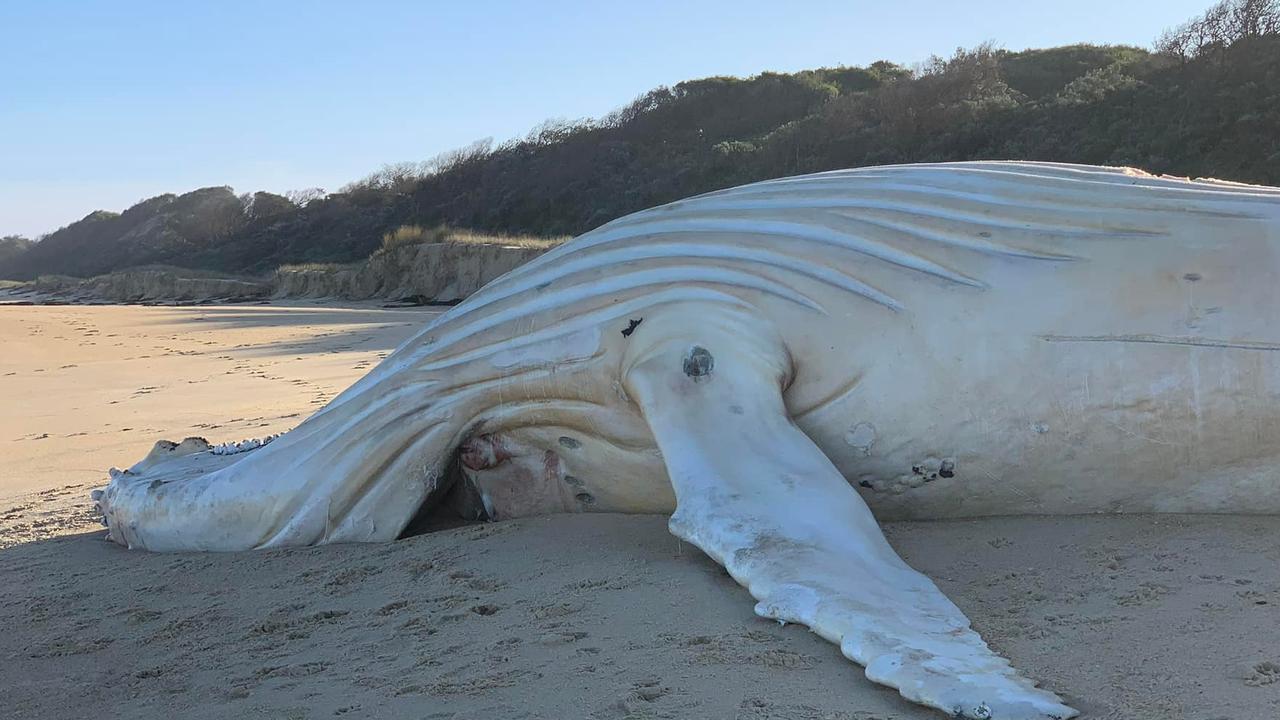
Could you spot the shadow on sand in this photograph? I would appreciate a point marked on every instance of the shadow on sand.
(360, 328)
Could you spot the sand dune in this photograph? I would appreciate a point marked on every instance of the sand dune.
(589, 616)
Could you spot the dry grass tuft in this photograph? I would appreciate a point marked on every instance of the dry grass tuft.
(318, 267)
(406, 235)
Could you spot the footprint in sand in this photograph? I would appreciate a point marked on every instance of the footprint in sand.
(1253, 596)
(1262, 674)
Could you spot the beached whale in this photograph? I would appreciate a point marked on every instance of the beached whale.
(773, 362)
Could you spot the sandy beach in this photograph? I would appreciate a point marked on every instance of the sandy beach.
(585, 616)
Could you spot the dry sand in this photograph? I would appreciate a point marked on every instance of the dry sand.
(590, 616)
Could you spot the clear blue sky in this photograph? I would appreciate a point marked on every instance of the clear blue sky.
(104, 103)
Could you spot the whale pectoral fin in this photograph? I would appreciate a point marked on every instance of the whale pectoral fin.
(758, 496)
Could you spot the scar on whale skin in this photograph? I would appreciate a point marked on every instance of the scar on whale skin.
(861, 437)
(1165, 340)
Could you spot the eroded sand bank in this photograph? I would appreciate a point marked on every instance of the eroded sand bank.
(562, 617)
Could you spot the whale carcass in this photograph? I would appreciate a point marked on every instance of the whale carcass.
(774, 362)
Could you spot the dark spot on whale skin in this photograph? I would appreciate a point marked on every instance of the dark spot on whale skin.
(866, 484)
(569, 442)
(917, 470)
(1192, 277)
(947, 469)
(571, 480)
(631, 327)
(585, 498)
(698, 363)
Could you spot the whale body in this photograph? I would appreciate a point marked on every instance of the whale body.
(775, 362)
